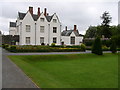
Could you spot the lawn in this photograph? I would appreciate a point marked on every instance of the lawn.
(70, 71)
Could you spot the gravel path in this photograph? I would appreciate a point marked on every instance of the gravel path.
(13, 77)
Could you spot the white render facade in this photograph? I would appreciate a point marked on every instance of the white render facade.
(40, 28)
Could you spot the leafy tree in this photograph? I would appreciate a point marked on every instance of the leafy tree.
(91, 32)
(97, 47)
(105, 24)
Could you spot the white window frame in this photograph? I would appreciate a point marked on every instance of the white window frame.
(27, 40)
(28, 28)
(55, 20)
(42, 29)
(54, 29)
(42, 40)
(54, 39)
(42, 19)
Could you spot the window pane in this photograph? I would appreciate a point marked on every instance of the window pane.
(54, 40)
(42, 29)
(27, 40)
(72, 40)
(41, 39)
(27, 28)
(42, 19)
(54, 20)
(54, 29)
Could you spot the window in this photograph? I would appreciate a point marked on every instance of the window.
(27, 40)
(42, 29)
(72, 40)
(41, 40)
(54, 20)
(27, 28)
(54, 29)
(54, 40)
(42, 19)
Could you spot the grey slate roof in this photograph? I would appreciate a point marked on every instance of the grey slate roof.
(21, 15)
(68, 33)
(12, 24)
(35, 17)
(49, 18)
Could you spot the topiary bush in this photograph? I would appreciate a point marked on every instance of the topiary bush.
(83, 47)
(97, 47)
(113, 47)
(53, 44)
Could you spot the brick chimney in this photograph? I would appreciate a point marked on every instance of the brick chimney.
(45, 12)
(31, 10)
(38, 11)
(65, 28)
(75, 27)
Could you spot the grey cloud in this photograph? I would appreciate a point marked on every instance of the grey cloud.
(82, 14)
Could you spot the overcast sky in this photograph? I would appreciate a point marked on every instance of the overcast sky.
(83, 13)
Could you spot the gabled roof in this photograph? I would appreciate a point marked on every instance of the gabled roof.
(68, 33)
(35, 17)
(49, 18)
(21, 15)
(12, 24)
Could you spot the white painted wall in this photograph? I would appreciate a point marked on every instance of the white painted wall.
(12, 31)
(35, 33)
(67, 39)
(58, 34)
(28, 20)
(38, 33)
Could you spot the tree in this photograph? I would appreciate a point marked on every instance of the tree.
(113, 47)
(105, 24)
(97, 47)
(91, 32)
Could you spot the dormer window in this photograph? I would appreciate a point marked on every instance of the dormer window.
(54, 20)
(42, 19)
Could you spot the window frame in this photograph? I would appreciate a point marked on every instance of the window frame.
(54, 30)
(43, 40)
(72, 40)
(55, 20)
(42, 19)
(55, 41)
(28, 41)
(42, 30)
(28, 29)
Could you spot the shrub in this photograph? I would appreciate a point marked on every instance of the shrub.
(113, 47)
(42, 44)
(105, 48)
(13, 48)
(5, 46)
(97, 47)
(53, 44)
(83, 47)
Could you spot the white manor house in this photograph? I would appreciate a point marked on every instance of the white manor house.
(42, 28)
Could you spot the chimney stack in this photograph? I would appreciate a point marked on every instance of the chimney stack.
(45, 12)
(66, 28)
(75, 27)
(31, 10)
(38, 11)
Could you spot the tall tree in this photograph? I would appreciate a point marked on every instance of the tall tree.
(106, 20)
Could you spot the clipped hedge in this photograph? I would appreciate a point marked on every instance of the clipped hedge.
(38, 48)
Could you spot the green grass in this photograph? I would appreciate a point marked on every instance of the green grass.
(70, 71)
